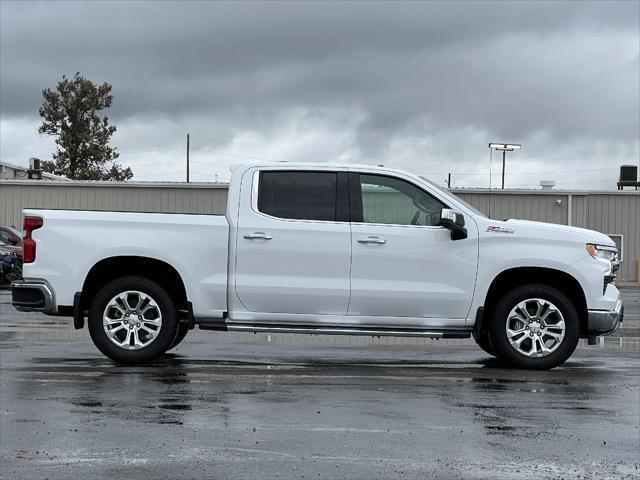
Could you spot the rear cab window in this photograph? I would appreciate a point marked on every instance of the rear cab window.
(299, 195)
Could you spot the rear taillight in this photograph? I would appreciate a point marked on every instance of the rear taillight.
(28, 244)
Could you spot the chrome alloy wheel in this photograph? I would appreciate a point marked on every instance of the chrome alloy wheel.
(535, 327)
(132, 320)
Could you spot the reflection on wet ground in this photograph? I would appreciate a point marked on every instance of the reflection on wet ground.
(227, 407)
(241, 410)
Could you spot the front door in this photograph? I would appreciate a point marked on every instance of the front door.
(403, 264)
(294, 243)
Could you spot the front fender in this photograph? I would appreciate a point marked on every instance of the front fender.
(500, 255)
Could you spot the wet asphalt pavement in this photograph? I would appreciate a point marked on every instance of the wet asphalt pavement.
(241, 409)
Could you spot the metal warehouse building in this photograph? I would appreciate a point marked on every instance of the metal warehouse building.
(615, 213)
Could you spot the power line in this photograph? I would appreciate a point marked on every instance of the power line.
(239, 155)
(169, 174)
(334, 155)
(154, 161)
(248, 145)
(569, 183)
(542, 172)
(150, 151)
(5, 157)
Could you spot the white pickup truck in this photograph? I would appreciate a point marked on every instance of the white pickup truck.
(323, 249)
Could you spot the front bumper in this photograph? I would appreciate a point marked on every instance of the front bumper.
(602, 322)
(32, 296)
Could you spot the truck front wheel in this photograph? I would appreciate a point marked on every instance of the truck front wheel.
(534, 327)
(132, 320)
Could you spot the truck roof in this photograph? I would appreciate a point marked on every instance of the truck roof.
(318, 166)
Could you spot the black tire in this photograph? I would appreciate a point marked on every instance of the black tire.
(164, 337)
(484, 342)
(508, 353)
(183, 329)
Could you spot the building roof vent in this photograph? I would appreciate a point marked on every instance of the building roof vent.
(628, 177)
(35, 170)
(547, 184)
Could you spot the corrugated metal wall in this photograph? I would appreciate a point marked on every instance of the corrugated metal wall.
(615, 213)
(168, 198)
(527, 206)
(610, 213)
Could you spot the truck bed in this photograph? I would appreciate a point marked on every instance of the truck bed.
(71, 242)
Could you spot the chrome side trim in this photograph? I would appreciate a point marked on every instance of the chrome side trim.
(337, 331)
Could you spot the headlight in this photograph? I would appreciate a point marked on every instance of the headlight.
(608, 253)
(603, 251)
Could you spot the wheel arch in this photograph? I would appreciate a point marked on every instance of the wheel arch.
(518, 276)
(110, 268)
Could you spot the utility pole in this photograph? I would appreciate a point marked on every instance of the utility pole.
(504, 148)
(449, 181)
(504, 152)
(187, 158)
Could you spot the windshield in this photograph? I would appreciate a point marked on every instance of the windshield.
(447, 192)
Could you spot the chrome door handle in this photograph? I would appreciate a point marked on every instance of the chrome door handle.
(258, 235)
(376, 240)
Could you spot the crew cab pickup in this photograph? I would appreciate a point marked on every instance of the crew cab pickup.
(323, 249)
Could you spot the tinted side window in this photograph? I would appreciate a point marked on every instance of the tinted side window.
(298, 195)
(390, 200)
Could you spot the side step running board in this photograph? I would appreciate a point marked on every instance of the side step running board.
(349, 331)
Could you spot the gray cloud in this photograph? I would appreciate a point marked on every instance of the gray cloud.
(392, 73)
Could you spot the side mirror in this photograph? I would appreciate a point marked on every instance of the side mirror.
(454, 221)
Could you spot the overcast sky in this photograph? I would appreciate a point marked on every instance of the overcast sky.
(422, 86)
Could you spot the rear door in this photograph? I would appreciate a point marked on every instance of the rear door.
(293, 247)
(403, 263)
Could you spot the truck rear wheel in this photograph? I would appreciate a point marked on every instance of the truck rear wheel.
(534, 327)
(132, 320)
